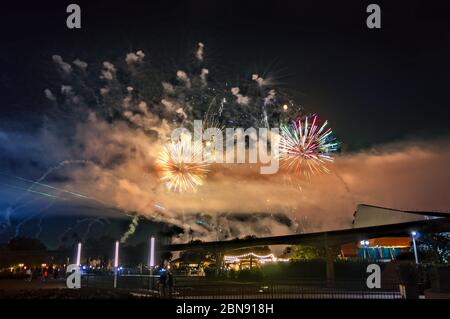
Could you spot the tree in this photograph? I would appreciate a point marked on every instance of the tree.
(435, 247)
(303, 252)
(102, 247)
(133, 255)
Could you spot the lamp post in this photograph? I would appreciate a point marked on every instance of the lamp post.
(365, 244)
(79, 254)
(414, 235)
(116, 263)
(151, 260)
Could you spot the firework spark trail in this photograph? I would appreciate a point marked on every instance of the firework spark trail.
(347, 188)
(32, 191)
(23, 222)
(4, 225)
(77, 224)
(30, 188)
(46, 185)
(55, 188)
(59, 165)
(305, 147)
(39, 225)
(88, 230)
(54, 197)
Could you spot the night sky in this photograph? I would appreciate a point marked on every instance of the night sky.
(384, 84)
(374, 86)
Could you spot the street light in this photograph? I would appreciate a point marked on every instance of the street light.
(116, 263)
(414, 234)
(79, 254)
(365, 244)
(151, 261)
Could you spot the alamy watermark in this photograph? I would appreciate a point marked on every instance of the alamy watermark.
(238, 146)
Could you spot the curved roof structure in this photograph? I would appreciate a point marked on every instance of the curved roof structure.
(368, 216)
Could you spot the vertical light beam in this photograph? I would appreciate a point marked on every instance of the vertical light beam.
(151, 259)
(116, 263)
(416, 257)
(116, 255)
(79, 254)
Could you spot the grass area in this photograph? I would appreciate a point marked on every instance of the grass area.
(83, 293)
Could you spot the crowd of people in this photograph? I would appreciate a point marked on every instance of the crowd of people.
(43, 273)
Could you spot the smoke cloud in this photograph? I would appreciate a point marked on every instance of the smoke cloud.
(117, 132)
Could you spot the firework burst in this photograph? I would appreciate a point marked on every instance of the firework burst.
(181, 167)
(306, 146)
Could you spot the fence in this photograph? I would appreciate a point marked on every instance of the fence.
(131, 282)
(199, 288)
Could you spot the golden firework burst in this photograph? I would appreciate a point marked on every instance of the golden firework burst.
(181, 167)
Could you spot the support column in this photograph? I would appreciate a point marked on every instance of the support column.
(329, 264)
(218, 262)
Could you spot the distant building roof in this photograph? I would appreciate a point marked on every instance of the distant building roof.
(368, 216)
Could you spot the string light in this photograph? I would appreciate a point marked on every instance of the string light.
(263, 258)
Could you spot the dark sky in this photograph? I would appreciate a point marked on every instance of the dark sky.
(375, 86)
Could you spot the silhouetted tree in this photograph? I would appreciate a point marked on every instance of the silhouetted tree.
(25, 243)
(303, 252)
(435, 247)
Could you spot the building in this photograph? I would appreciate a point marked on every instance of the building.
(383, 248)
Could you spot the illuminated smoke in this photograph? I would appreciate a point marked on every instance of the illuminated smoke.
(80, 64)
(183, 77)
(200, 51)
(134, 58)
(131, 229)
(62, 66)
(108, 72)
(241, 99)
(49, 95)
(203, 75)
(118, 127)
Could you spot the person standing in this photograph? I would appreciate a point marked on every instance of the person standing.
(170, 282)
(29, 275)
(162, 282)
(45, 274)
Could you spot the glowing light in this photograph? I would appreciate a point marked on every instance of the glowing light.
(151, 262)
(116, 255)
(416, 257)
(262, 258)
(285, 107)
(181, 166)
(272, 256)
(364, 243)
(79, 254)
(306, 146)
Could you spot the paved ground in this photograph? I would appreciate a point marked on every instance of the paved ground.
(17, 284)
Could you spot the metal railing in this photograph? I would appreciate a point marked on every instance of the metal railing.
(131, 282)
(193, 288)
